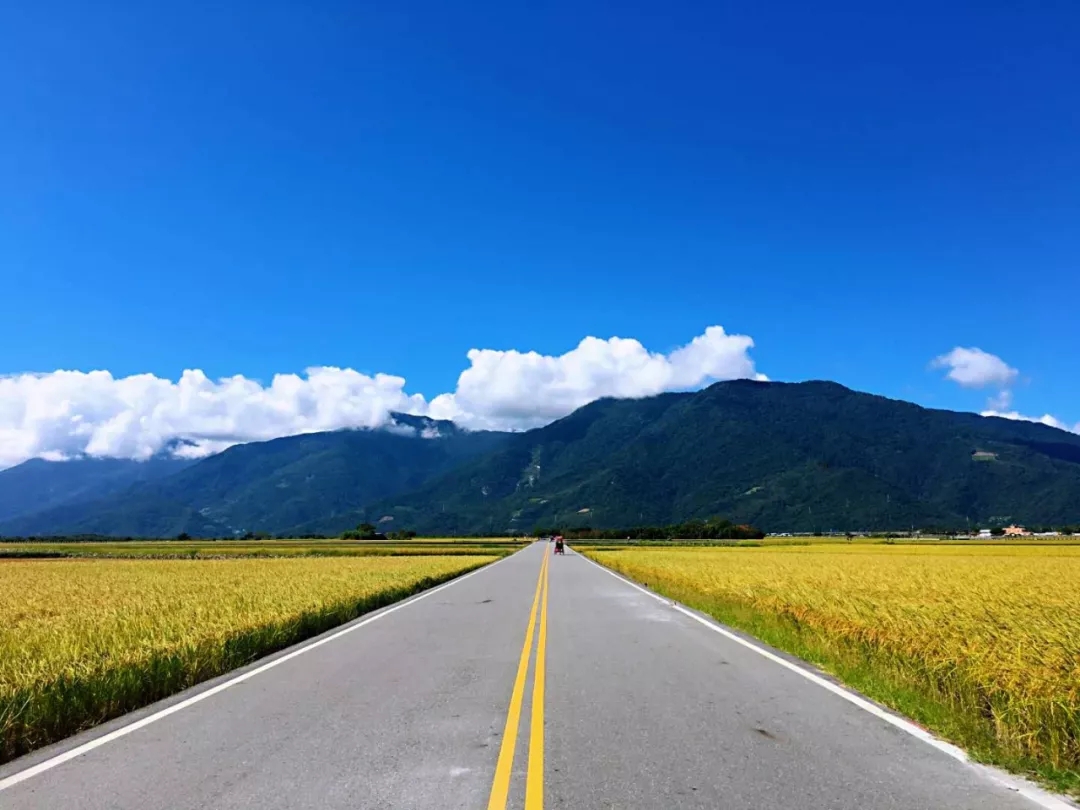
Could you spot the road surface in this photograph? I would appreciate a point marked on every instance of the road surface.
(635, 704)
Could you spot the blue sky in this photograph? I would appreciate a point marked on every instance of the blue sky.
(265, 187)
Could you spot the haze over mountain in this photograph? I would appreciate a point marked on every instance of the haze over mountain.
(37, 484)
(798, 457)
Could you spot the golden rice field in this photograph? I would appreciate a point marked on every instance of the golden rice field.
(176, 549)
(981, 643)
(85, 640)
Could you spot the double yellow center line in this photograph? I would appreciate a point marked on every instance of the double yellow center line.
(534, 780)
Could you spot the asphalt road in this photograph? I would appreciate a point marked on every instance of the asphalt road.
(642, 707)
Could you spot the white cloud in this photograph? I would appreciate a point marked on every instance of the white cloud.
(66, 413)
(1045, 419)
(73, 412)
(511, 389)
(974, 368)
(1000, 401)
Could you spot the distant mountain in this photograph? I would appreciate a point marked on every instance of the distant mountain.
(308, 483)
(799, 457)
(38, 485)
(782, 456)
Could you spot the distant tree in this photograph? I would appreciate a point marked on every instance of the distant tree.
(365, 531)
(691, 530)
(997, 532)
(183, 537)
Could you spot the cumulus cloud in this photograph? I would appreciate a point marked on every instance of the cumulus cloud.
(511, 389)
(68, 413)
(974, 368)
(1045, 419)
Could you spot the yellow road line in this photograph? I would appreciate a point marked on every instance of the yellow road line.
(534, 784)
(500, 787)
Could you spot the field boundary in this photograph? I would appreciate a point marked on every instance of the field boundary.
(208, 688)
(1019, 785)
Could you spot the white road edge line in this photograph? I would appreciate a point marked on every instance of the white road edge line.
(1024, 788)
(123, 731)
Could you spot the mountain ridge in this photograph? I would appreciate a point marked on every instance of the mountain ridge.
(38, 484)
(804, 456)
(784, 456)
(269, 486)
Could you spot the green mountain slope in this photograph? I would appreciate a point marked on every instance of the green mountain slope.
(36, 485)
(797, 457)
(297, 483)
(794, 457)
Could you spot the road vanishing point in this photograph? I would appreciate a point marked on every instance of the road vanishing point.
(538, 681)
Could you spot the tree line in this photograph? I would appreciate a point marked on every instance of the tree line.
(368, 531)
(712, 529)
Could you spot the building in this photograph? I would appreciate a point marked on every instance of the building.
(1016, 531)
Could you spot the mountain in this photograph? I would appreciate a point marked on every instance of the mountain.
(37, 484)
(783, 456)
(306, 483)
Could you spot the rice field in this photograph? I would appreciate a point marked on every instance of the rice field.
(86, 640)
(981, 643)
(217, 549)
